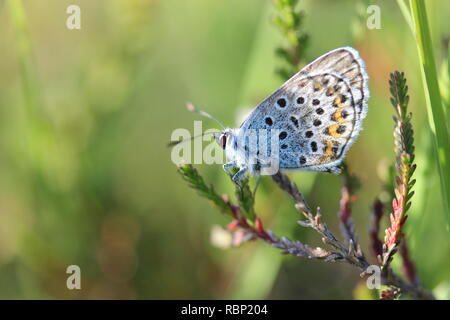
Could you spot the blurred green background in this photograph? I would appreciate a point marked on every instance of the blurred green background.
(86, 177)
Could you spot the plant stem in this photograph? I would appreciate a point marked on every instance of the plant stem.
(436, 115)
(406, 14)
(29, 80)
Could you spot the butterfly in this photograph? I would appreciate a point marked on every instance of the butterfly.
(315, 117)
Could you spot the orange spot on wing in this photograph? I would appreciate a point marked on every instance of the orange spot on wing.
(337, 116)
(317, 86)
(328, 148)
(332, 130)
(338, 102)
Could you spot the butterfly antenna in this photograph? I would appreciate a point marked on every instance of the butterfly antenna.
(191, 108)
(174, 143)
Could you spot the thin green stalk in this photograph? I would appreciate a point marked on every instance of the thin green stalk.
(30, 85)
(406, 14)
(37, 129)
(34, 133)
(447, 85)
(436, 114)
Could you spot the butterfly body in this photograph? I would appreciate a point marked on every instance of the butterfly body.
(315, 117)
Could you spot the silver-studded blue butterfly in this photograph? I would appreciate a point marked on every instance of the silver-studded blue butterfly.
(316, 115)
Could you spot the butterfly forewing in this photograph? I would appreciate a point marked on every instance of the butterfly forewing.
(318, 112)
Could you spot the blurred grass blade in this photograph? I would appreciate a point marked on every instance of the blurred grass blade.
(31, 87)
(257, 274)
(406, 14)
(436, 115)
(444, 82)
(38, 133)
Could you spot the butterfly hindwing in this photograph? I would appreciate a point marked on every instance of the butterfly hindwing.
(318, 112)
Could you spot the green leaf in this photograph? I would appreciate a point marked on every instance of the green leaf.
(435, 111)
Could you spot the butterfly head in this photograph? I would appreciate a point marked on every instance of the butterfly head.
(223, 138)
(227, 140)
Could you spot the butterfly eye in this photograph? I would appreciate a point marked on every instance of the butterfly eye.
(223, 141)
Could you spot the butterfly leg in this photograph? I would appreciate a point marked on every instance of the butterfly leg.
(235, 177)
(239, 176)
(258, 179)
(255, 170)
(227, 167)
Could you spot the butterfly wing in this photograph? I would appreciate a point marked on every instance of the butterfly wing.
(318, 111)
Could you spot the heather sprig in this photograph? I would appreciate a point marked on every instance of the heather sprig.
(404, 150)
(408, 267)
(237, 212)
(196, 182)
(390, 294)
(350, 252)
(375, 243)
(289, 20)
(350, 184)
(246, 199)
(253, 228)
